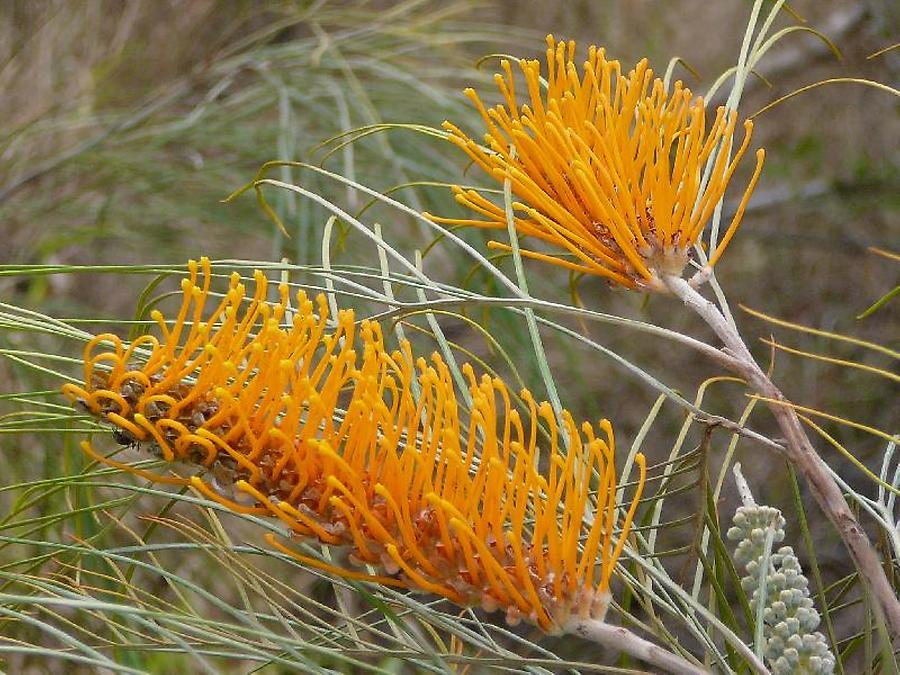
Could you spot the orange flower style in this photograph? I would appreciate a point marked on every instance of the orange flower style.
(608, 167)
(289, 412)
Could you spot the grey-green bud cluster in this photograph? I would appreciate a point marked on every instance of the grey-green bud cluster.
(792, 644)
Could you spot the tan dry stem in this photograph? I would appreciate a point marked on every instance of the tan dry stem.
(623, 640)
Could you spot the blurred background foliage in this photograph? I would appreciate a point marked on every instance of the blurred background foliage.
(124, 125)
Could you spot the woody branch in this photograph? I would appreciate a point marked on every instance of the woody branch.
(799, 451)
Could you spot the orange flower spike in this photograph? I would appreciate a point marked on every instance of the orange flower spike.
(607, 166)
(251, 399)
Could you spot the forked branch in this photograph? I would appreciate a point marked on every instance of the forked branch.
(800, 452)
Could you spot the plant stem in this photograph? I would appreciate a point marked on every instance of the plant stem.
(623, 640)
(800, 452)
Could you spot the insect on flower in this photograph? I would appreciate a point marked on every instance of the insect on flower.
(606, 166)
(309, 418)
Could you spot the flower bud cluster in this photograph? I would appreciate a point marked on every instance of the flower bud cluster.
(792, 644)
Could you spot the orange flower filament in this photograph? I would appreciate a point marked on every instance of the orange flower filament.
(607, 167)
(320, 427)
